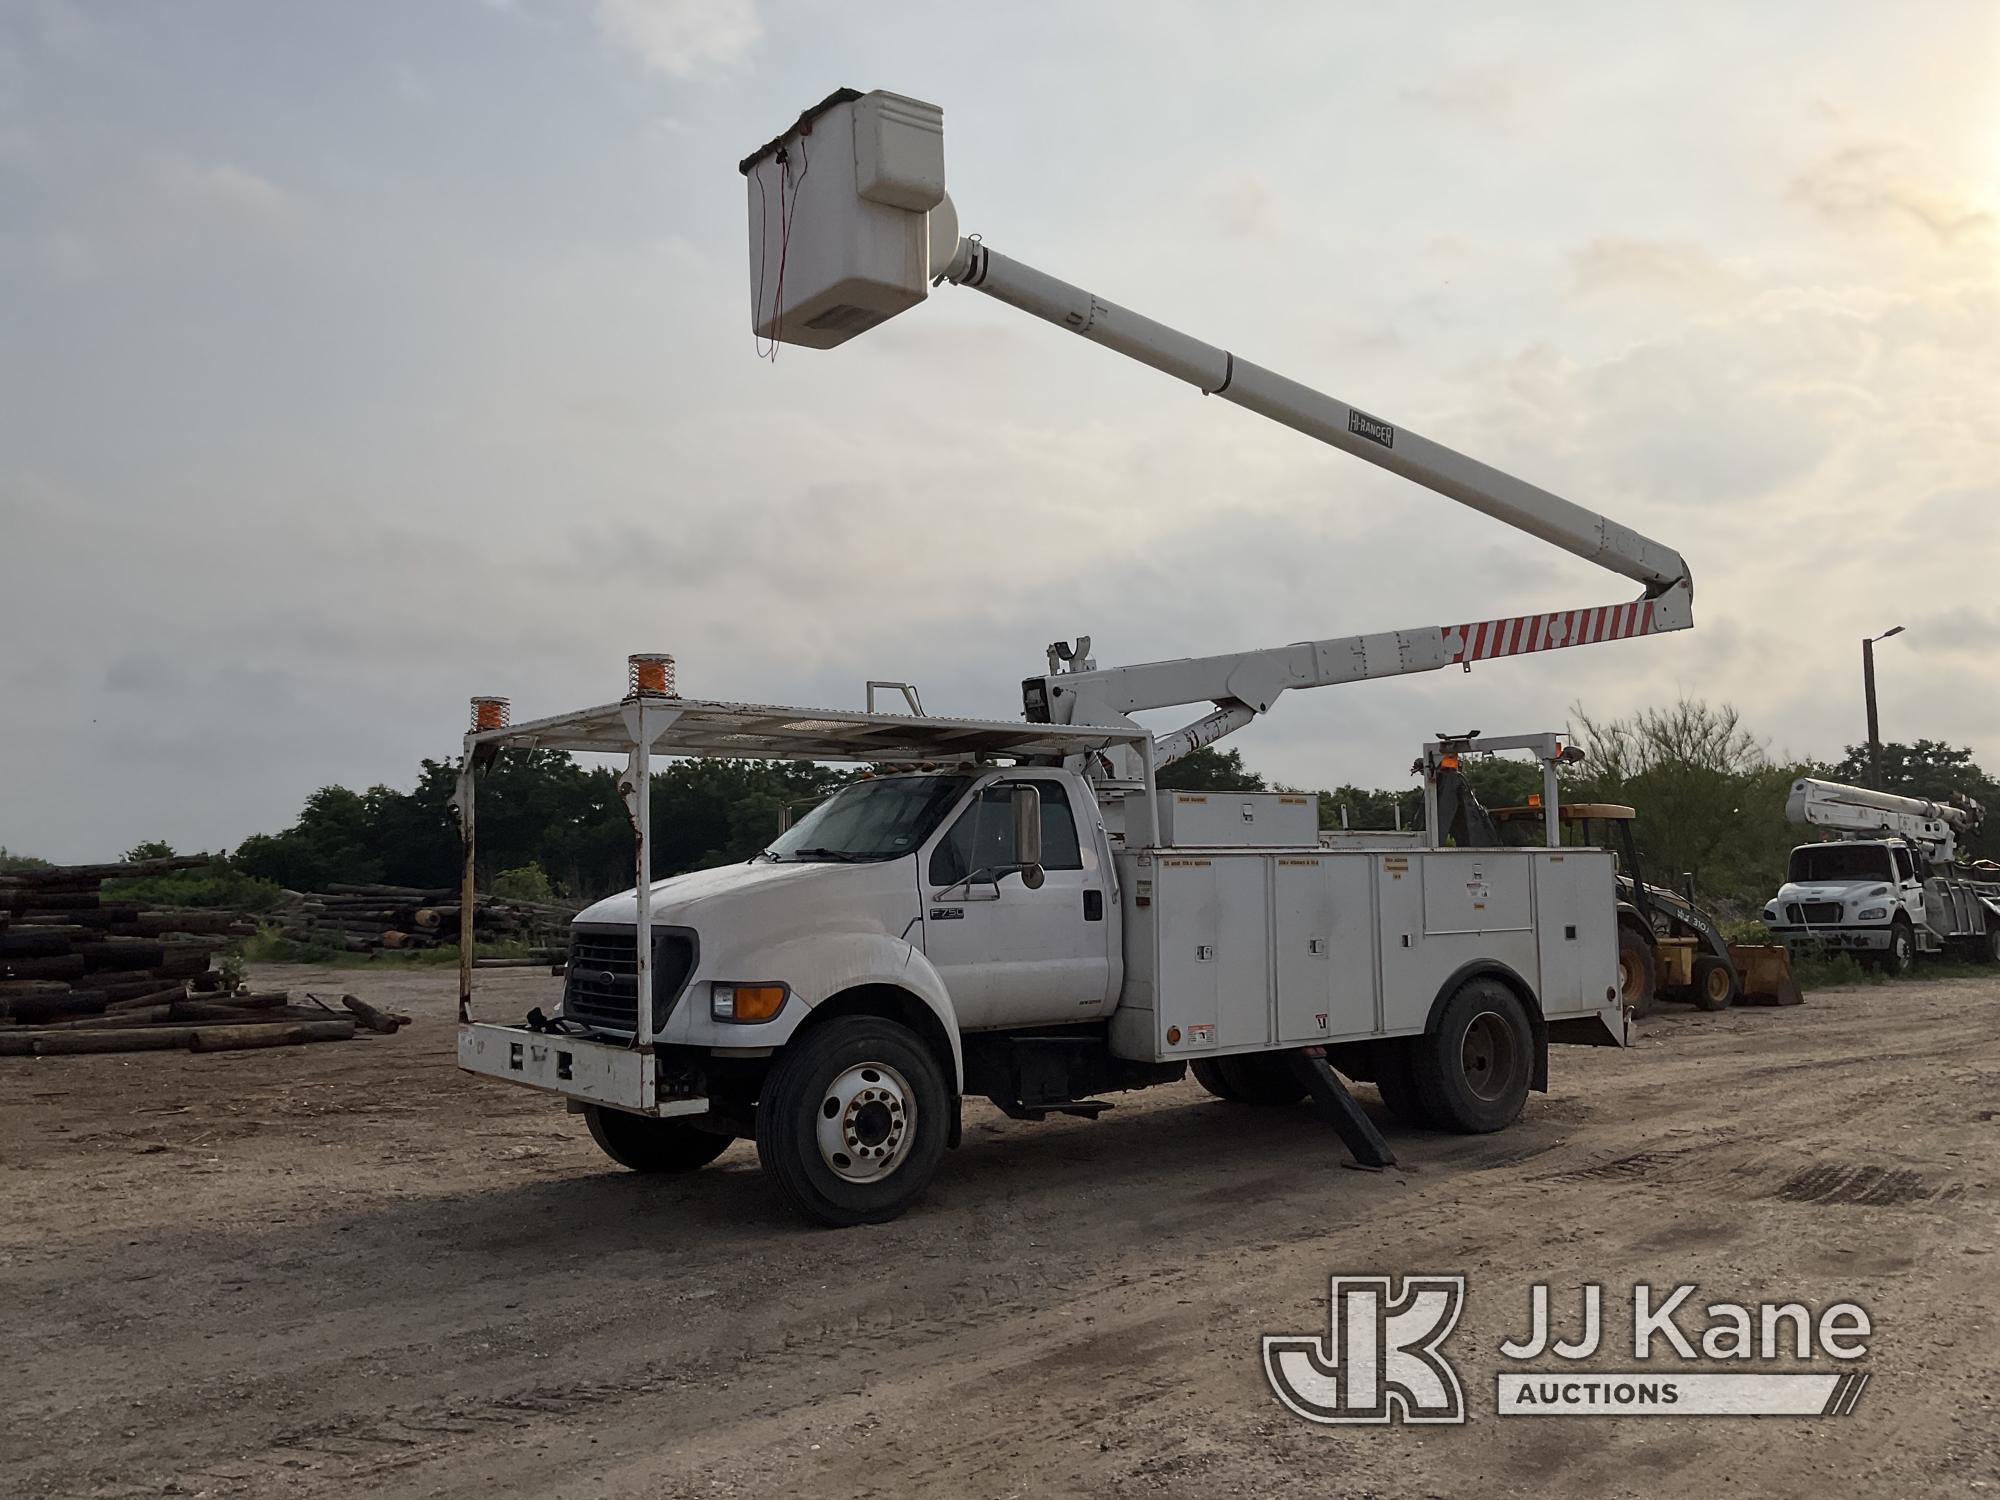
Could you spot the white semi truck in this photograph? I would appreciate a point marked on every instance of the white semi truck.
(1887, 885)
(1019, 913)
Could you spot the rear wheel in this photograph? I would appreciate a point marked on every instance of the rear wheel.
(1253, 1079)
(1396, 1081)
(1988, 947)
(1473, 1071)
(851, 1121)
(1208, 1073)
(1638, 974)
(652, 1145)
(1714, 985)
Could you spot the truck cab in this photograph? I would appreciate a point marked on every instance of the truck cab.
(916, 880)
(1860, 896)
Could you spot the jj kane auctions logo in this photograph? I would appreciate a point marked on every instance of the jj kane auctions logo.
(1382, 1359)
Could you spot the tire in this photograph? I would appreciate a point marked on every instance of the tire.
(1638, 972)
(1208, 1073)
(1899, 960)
(1714, 985)
(1396, 1082)
(1987, 950)
(1267, 1080)
(1251, 1079)
(852, 1120)
(645, 1145)
(1473, 1070)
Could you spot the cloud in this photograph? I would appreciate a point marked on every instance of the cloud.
(1487, 94)
(167, 208)
(1616, 265)
(682, 37)
(1245, 206)
(1878, 184)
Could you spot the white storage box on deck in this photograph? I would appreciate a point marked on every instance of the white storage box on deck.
(839, 217)
(1213, 820)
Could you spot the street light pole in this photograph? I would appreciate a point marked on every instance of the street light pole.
(1868, 690)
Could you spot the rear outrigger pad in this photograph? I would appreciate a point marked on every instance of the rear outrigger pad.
(1337, 1107)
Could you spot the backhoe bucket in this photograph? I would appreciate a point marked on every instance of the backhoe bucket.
(1767, 974)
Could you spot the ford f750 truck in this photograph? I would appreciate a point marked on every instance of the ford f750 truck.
(1016, 931)
(1024, 917)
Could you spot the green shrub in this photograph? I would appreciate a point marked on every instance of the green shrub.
(218, 887)
(530, 882)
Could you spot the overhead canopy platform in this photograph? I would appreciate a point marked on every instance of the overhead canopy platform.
(762, 731)
(653, 722)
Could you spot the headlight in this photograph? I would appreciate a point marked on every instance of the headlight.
(1873, 914)
(1770, 914)
(746, 1003)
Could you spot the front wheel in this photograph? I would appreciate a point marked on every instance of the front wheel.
(1714, 985)
(1901, 958)
(646, 1145)
(1473, 1071)
(851, 1121)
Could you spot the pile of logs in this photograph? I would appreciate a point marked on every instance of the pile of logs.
(179, 1021)
(66, 951)
(367, 918)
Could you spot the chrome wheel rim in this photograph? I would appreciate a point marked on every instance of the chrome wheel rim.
(867, 1122)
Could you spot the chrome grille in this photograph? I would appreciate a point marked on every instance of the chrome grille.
(602, 979)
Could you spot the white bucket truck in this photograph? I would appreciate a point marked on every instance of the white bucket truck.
(1024, 916)
(1888, 884)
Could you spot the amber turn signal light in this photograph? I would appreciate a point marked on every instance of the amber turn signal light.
(747, 1002)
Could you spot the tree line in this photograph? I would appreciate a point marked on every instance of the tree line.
(1709, 795)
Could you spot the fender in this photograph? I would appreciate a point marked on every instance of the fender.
(818, 966)
(1537, 1025)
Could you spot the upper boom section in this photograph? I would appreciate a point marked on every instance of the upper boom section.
(849, 224)
(1860, 812)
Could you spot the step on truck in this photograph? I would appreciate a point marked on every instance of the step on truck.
(1021, 917)
(1887, 883)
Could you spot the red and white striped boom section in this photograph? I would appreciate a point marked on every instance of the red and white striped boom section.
(1517, 635)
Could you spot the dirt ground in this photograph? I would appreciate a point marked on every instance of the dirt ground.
(348, 1269)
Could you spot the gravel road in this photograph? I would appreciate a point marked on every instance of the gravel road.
(349, 1270)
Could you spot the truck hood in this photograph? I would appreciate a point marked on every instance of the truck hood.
(1834, 890)
(679, 899)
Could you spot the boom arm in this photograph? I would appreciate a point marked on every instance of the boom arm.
(1217, 372)
(848, 215)
(1245, 684)
(1860, 812)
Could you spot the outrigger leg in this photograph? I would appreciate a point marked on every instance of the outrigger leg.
(1337, 1107)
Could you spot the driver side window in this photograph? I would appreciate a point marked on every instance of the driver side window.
(983, 836)
(1904, 868)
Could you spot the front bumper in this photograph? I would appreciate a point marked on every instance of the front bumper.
(1833, 939)
(578, 1068)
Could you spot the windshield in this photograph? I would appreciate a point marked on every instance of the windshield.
(877, 819)
(1817, 863)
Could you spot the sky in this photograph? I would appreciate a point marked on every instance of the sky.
(356, 358)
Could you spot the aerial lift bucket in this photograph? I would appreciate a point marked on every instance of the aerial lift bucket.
(1766, 969)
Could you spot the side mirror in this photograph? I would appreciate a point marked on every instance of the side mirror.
(1028, 835)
